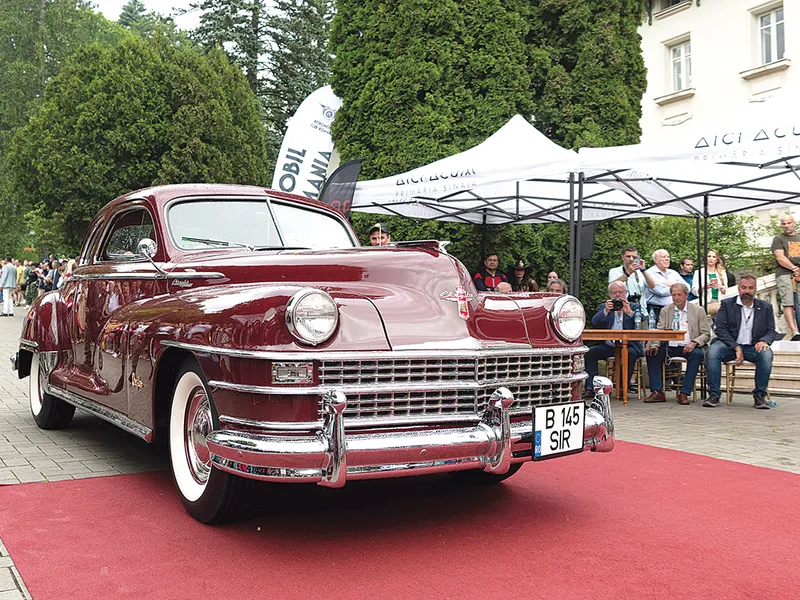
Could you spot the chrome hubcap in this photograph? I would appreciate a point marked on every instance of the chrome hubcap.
(199, 423)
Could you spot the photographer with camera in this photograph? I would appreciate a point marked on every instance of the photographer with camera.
(633, 276)
(615, 313)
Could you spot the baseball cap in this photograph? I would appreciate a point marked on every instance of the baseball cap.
(379, 227)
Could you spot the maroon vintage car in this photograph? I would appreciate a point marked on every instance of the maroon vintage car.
(249, 328)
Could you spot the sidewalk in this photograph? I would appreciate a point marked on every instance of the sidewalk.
(91, 448)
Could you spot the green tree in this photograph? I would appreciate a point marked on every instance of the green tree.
(35, 39)
(299, 61)
(117, 118)
(424, 79)
(137, 18)
(587, 70)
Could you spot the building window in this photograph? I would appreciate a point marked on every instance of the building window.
(665, 4)
(771, 33)
(681, 66)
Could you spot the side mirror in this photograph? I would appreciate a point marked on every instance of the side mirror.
(147, 247)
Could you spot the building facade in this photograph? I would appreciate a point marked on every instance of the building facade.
(707, 59)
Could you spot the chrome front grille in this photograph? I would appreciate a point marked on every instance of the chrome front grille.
(502, 368)
(411, 404)
(476, 379)
(398, 371)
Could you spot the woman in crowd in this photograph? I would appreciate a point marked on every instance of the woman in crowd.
(519, 276)
(716, 282)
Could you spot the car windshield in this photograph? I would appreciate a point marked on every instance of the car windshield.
(220, 223)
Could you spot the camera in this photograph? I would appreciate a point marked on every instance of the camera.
(617, 304)
(637, 262)
(635, 298)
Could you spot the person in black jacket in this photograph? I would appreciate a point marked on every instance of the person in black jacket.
(519, 276)
(488, 277)
(609, 317)
(745, 329)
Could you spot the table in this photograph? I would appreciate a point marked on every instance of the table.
(623, 336)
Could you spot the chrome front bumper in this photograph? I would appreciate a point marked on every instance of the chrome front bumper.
(330, 459)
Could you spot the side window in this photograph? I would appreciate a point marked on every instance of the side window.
(91, 241)
(126, 231)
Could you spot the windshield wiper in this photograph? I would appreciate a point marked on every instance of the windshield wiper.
(211, 242)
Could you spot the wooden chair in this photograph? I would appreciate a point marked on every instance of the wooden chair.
(637, 370)
(701, 374)
(730, 380)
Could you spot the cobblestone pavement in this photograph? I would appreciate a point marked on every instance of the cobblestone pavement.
(92, 448)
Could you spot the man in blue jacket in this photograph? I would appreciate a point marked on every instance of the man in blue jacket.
(614, 313)
(745, 329)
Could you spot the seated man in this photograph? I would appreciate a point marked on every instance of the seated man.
(745, 329)
(489, 277)
(614, 313)
(691, 318)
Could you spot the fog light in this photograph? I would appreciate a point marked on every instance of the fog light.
(578, 363)
(292, 372)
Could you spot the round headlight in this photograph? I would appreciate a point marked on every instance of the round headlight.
(311, 316)
(569, 318)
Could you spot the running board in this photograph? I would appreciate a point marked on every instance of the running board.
(103, 412)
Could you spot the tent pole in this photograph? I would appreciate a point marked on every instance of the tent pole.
(699, 248)
(572, 229)
(704, 280)
(576, 285)
(484, 235)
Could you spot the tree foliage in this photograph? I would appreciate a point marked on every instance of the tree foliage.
(135, 17)
(35, 39)
(117, 118)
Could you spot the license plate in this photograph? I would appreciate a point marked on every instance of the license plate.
(557, 430)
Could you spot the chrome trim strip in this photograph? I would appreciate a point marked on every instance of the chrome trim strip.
(374, 355)
(146, 276)
(197, 275)
(104, 412)
(385, 389)
(349, 423)
(28, 344)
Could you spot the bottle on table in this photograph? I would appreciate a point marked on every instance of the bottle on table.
(637, 319)
(652, 319)
(676, 319)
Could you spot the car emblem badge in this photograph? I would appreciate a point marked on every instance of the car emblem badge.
(136, 382)
(462, 297)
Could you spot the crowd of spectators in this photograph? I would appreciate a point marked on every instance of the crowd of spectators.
(734, 329)
(23, 281)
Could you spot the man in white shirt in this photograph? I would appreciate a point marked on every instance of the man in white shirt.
(8, 281)
(658, 296)
(745, 328)
(632, 273)
(678, 315)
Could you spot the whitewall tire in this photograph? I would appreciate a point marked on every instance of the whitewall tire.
(209, 495)
(48, 411)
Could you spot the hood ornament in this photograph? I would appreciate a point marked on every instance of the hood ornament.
(461, 296)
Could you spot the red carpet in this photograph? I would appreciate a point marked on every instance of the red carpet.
(640, 522)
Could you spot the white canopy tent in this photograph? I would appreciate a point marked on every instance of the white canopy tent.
(518, 175)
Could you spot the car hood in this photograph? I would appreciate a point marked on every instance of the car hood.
(413, 290)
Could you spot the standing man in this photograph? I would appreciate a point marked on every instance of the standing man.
(614, 313)
(745, 329)
(379, 235)
(633, 276)
(488, 278)
(691, 318)
(687, 272)
(658, 296)
(786, 248)
(8, 281)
